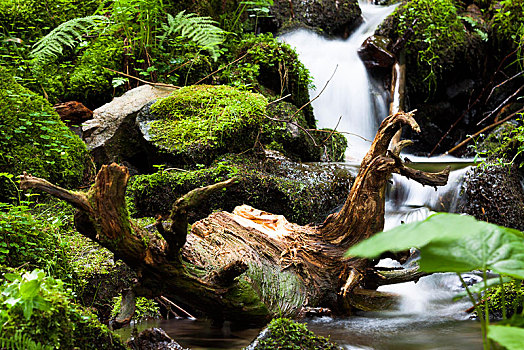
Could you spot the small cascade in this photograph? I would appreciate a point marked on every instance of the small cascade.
(350, 102)
(409, 201)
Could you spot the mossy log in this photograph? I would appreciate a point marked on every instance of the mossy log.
(248, 265)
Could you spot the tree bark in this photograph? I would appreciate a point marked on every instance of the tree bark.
(249, 265)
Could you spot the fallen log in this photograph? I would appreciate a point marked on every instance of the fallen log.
(249, 265)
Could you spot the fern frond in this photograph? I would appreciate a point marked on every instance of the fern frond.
(66, 34)
(20, 341)
(201, 30)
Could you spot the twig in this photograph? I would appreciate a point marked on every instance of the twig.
(333, 131)
(178, 307)
(474, 103)
(484, 130)
(279, 99)
(168, 308)
(142, 80)
(343, 132)
(222, 68)
(320, 93)
(501, 105)
(504, 82)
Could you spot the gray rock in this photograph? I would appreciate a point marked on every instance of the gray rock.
(112, 134)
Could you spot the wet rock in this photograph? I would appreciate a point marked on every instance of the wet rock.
(334, 17)
(375, 54)
(495, 195)
(112, 134)
(153, 339)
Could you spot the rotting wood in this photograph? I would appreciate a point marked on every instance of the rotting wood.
(230, 270)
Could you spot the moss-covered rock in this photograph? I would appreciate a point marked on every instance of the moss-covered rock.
(290, 138)
(34, 139)
(442, 66)
(283, 333)
(303, 193)
(42, 312)
(512, 300)
(274, 66)
(200, 122)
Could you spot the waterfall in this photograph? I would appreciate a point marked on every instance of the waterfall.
(350, 102)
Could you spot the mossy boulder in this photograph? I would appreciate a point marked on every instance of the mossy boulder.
(197, 124)
(302, 193)
(34, 139)
(512, 300)
(200, 122)
(273, 68)
(41, 311)
(442, 66)
(283, 333)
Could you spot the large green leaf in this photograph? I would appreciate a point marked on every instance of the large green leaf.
(512, 338)
(451, 242)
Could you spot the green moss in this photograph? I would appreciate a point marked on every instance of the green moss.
(203, 118)
(55, 321)
(33, 243)
(512, 301)
(272, 65)
(144, 308)
(287, 334)
(302, 193)
(34, 139)
(90, 81)
(439, 40)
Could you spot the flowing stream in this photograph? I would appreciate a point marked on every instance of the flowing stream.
(426, 318)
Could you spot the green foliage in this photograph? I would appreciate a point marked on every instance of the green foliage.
(20, 341)
(202, 117)
(66, 34)
(26, 240)
(511, 338)
(508, 22)
(89, 80)
(39, 307)
(504, 147)
(438, 36)
(291, 335)
(201, 30)
(505, 299)
(144, 308)
(34, 139)
(272, 65)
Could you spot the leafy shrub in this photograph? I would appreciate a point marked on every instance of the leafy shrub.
(31, 242)
(34, 139)
(508, 22)
(39, 307)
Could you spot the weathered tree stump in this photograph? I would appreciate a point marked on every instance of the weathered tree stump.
(249, 265)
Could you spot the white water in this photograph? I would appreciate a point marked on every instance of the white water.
(349, 95)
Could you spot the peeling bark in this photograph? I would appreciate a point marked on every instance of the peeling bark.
(249, 265)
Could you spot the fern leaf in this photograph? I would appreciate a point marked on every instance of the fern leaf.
(201, 30)
(66, 34)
